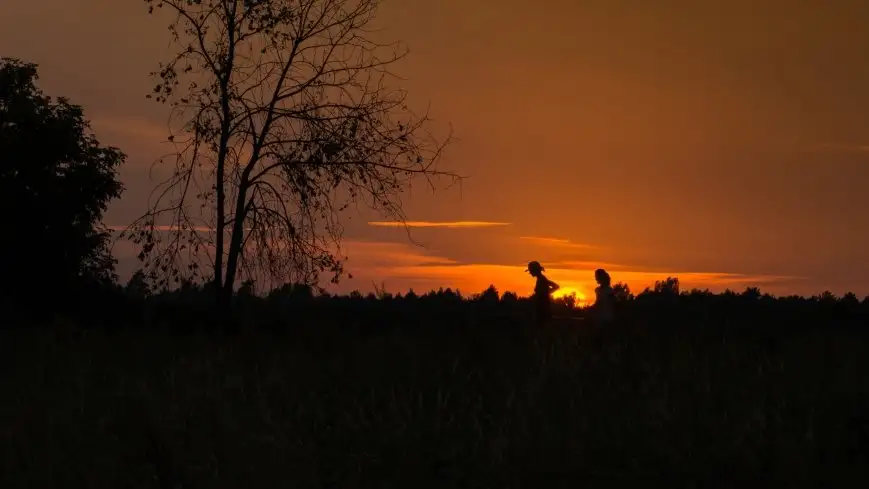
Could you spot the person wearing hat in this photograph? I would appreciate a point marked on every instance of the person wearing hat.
(543, 290)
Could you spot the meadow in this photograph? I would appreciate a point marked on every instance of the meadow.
(684, 390)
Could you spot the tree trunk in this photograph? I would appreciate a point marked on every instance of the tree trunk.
(222, 305)
(235, 251)
(224, 300)
(233, 256)
(221, 229)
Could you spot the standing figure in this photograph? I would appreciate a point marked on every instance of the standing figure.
(543, 290)
(603, 297)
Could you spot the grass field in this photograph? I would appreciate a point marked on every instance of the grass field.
(498, 405)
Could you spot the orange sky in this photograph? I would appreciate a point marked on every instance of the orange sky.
(726, 142)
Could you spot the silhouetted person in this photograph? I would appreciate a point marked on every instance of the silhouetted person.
(603, 297)
(543, 290)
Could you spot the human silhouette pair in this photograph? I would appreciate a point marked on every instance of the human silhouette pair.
(543, 289)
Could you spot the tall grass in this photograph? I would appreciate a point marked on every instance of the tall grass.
(492, 405)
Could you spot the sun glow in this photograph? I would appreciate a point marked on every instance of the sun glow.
(567, 290)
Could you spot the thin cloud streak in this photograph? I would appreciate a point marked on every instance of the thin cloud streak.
(390, 254)
(430, 224)
(566, 243)
(590, 265)
(201, 229)
(198, 229)
(545, 240)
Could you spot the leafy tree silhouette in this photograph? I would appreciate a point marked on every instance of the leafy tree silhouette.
(668, 286)
(827, 297)
(292, 293)
(489, 296)
(138, 285)
(57, 180)
(247, 289)
(566, 301)
(752, 294)
(622, 293)
(510, 297)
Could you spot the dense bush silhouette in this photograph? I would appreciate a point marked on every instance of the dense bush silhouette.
(56, 181)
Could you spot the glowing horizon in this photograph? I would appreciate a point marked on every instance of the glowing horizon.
(401, 266)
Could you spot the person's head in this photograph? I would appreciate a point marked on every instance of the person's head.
(534, 268)
(602, 277)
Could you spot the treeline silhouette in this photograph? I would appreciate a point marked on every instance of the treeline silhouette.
(191, 306)
(661, 305)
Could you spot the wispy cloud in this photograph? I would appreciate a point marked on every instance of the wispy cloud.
(560, 242)
(389, 254)
(430, 224)
(201, 229)
(590, 264)
(538, 239)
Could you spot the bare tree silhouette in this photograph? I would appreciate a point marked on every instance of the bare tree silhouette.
(281, 118)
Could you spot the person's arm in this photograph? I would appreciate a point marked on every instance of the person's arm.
(553, 286)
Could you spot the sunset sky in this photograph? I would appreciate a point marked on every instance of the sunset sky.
(723, 142)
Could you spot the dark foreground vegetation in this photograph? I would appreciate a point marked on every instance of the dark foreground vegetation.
(688, 390)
